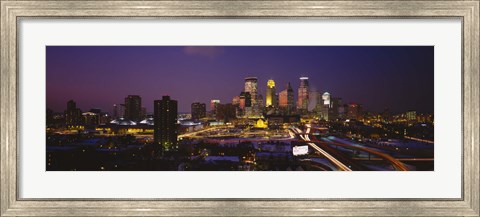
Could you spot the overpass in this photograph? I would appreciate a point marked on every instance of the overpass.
(397, 164)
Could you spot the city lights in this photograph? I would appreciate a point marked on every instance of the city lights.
(271, 119)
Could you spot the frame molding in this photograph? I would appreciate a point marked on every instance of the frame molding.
(11, 11)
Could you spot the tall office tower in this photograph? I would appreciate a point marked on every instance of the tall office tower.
(115, 111)
(326, 107)
(276, 100)
(290, 97)
(165, 123)
(133, 107)
(335, 107)
(314, 101)
(251, 87)
(303, 92)
(213, 104)
(245, 100)
(260, 102)
(286, 99)
(121, 110)
(326, 99)
(73, 115)
(270, 99)
(199, 110)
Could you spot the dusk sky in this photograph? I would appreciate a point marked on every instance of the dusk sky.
(397, 77)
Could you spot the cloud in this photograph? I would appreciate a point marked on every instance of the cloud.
(205, 51)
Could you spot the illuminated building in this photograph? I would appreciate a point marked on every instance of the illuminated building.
(326, 98)
(261, 124)
(236, 100)
(198, 110)
(133, 107)
(90, 119)
(251, 87)
(303, 91)
(411, 116)
(286, 99)
(245, 100)
(213, 104)
(165, 123)
(326, 107)
(73, 115)
(270, 100)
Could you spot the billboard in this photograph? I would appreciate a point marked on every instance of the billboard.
(300, 150)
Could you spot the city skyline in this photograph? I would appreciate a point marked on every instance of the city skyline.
(195, 83)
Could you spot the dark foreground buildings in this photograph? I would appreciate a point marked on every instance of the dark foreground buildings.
(133, 107)
(198, 110)
(165, 123)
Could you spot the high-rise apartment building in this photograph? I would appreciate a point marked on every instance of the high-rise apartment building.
(165, 123)
(73, 115)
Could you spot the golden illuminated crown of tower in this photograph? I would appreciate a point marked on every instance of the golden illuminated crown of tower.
(271, 83)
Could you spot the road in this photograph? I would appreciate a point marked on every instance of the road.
(305, 137)
(398, 165)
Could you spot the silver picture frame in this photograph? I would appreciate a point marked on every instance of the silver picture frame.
(12, 11)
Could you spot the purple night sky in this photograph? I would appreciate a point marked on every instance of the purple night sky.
(397, 77)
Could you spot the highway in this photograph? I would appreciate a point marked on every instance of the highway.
(397, 164)
(335, 161)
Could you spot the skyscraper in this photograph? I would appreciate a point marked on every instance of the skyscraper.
(330, 107)
(270, 100)
(165, 123)
(326, 99)
(314, 101)
(73, 115)
(303, 91)
(133, 107)
(251, 87)
(325, 112)
(115, 111)
(118, 111)
(335, 105)
(245, 100)
(198, 110)
(213, 104)
(286, 99)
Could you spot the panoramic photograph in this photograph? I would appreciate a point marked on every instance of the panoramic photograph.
(239, 108)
